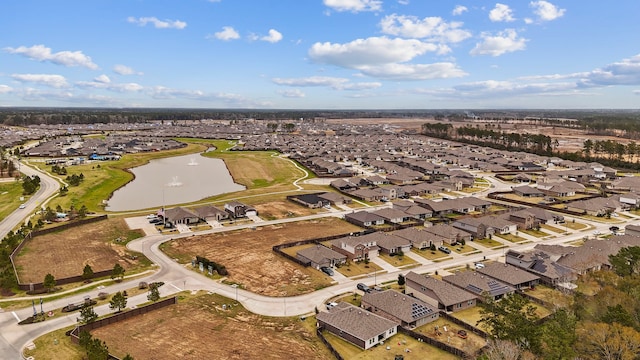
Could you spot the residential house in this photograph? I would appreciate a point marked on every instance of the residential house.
(335, 199)
(356, 247)
(541, 264)
(419, 239)
(320, 255)
(486, 226)
(437, 293)
(410, 208)
(479, 285)
(406, 311)
(527, 191)
(355, 325)
(392, 216)
(312, 201)
(448, 234)
(391, 244)
(544, 216)
(596, 206)
(211, 213)
(560, 188)
(632, 230)
(524, 219)
(364, 218)
(238, 210)
(510, 275)
(180, 215)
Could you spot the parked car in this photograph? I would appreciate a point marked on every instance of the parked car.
(363, 287)
(152, 216)
(155, 221)
(22, 206)
(462, 334)
(444, 249)
(331, 305)
(327, 270)
(479, 265)
(614, 228)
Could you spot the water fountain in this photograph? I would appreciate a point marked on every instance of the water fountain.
(193, 162)
(174, 182)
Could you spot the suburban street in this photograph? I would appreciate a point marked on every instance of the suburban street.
(179, 278)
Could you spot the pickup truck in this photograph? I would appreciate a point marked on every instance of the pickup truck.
(78, 305)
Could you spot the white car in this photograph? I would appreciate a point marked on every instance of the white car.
(22, 206)
(152, 216)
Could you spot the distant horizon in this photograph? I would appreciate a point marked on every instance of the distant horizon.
(329, 55)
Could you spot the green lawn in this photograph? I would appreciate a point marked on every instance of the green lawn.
(430, 255)
(397, 261)
(536, 233)
(575, 225)
(552, 228)
(511, 237)
(10, 193)
(490, 243)
(353, 268)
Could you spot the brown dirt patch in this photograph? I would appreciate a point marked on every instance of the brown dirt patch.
(250, 260)
(65, 253)
(281, 210)
(198, 328)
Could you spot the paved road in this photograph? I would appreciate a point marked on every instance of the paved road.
(178, 278)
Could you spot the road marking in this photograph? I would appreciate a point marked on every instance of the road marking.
(15, 315)
(176, 287)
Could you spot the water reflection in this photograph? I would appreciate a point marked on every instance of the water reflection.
(171, 181)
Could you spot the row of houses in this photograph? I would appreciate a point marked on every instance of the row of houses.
(183, 215)
(424, 297)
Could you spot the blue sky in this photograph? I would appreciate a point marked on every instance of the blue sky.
(320, 54)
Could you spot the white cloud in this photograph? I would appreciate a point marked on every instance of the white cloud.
(292, 93)
(501, 12)
(354, 5)
(158, 24)
(546, 11)
(5, 89)
(432, 28)
(443, 70)
(636, 92)
(125, 70)
(369, 51)
(625, 72)
(102, 79)
(121, 88)
(459, 9)
(504, 42)
(229, 99)
(326, 81)
(227, 33)
(56, 81)
(492, 88)
(403, 2)
(273, 37)
(43, 53)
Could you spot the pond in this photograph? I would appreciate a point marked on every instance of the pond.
(174, 180)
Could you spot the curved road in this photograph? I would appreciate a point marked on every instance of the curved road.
(178, 278)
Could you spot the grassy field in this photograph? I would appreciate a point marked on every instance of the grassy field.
(352, 268)
(490, 243)
(10, 193)
(398, 344)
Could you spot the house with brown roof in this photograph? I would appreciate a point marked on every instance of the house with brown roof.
(357, 326)
(335, 199)
(419, 239)
(364, 218)
(357, 247)
(527, 191)
(320, 255)
(437, 293)
(448, 234)
(479, 285)
(392, 216)
(486, 226)
(412, 209)
(405, 310)
(237, 209)
(541, 264)
(510, 275)
(312, 201)
(389, 243)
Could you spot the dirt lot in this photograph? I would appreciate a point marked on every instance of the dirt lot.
(198, 328)
(65, 253)
(251, 262)
(282, 209)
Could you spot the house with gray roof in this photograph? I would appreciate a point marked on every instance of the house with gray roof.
(405, 310)
(437, 293)
(392, 216)
(389, 243)
(419, 239)
(210, 212)
(357, 326)
(527, 191)
(180, 215)
(541, 264)
(479, 285)
(320, 255)
(448, 234)
(510, 275)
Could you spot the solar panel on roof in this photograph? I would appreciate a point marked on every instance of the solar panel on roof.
(474, 289)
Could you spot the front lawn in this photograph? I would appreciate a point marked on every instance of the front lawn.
(397, 261)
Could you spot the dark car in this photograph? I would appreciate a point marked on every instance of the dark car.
(614, 228)
(363, 287)
(327, 270)
(155, 221)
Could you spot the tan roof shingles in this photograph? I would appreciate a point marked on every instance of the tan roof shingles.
(355, 321)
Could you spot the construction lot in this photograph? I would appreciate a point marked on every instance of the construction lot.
(248, 256)
(65, 253)
(209, 326)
